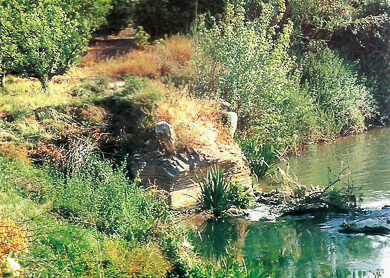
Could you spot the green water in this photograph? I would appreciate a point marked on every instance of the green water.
(311, 246)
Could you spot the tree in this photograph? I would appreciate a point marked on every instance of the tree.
(42, 39)
(159, 17)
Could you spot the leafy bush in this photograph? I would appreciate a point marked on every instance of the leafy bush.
(238, 61)
(261, 156)
(246, 62)
(336, 89)
(42, 39)
(366, 41)
(219, 193)
(319, 22)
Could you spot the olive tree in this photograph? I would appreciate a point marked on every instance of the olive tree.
(42, 39)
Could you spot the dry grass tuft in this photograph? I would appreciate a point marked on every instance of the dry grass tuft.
(15, 151)
(170, 58)
(197, 123)
(179, 49)
(141, 63)
(92, 114)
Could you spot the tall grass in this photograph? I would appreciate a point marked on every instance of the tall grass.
(261, 156)
(105, 198)
(69, 242)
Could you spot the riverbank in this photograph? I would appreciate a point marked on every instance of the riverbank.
(315, 243)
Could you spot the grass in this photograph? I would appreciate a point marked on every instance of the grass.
(196, 122)
(261, 156)
(113, 229)
(71, 246)
(20, 95)
(166, 59)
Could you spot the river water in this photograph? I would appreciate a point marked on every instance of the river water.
(311, 246)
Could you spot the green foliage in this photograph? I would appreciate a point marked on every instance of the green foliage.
(141, 37)
(105, 198)
(337, 90)
(135, 83)
(316, 21)
(247, 64)
(158, 17)
(239, 61)
(367, 42)
(219, 192)
(261, 156)
(358, 29)
(42, 39)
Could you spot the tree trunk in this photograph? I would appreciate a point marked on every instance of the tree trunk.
(2, 79)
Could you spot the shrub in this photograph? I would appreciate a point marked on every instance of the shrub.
(261, 156)
(334, 85)
(219, 192)
(238, 61)
(246, 64)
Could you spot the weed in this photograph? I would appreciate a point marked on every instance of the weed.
(102, 197)
(135, 259)
(169, 60)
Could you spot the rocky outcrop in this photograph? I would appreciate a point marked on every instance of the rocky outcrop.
(178, 171)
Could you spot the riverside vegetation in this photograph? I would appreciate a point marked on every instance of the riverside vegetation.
(295, 72)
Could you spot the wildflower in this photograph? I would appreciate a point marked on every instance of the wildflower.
(11, 267)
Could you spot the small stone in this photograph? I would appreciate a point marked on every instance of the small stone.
(164, 134)
(231, 121)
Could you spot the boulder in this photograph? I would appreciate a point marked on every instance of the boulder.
(177, 172)
(372, 223)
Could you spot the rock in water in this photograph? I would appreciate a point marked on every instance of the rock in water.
(373, 223)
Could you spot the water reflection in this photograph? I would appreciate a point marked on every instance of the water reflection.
(299, 248)
(312, 247)
(367, 155)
